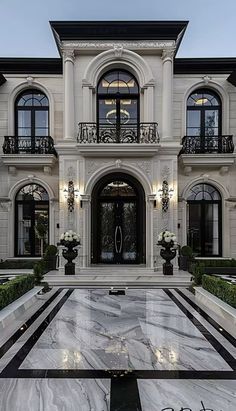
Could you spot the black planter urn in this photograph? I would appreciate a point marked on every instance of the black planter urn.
(70, 254)
(167, 253)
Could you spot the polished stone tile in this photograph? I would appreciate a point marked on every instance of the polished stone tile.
(141, 330)
(54, 395)
(218, 395)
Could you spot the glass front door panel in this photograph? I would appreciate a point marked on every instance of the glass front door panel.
(106, 232)
(194, 227)
(211, 123)
(211, 238)
(129, 228)
(24, 227)
(193, 123)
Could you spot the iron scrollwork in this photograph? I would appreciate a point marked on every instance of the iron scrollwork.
(207, 144)
(28, 145)
(143, 133)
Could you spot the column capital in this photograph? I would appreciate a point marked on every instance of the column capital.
(168, 54)
(69, 55)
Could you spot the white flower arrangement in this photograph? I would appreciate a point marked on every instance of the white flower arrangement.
(166, 237)
(70, 236)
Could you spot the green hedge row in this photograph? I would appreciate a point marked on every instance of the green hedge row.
(220, 288)
(217, 263)
(17, 264)
(14, 289)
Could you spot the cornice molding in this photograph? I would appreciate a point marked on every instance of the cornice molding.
(106, 45)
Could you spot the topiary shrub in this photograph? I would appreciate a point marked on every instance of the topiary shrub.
(39, 271)
(51, 250)
(198, 272)
(50, 257)
(15, 288)
(220, 288)
(186, 251)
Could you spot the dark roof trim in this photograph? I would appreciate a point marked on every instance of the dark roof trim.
(221, 65)
(118, 30)
(2, 79)
(30, 65)
(232, 78)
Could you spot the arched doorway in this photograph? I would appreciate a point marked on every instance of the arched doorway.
(31, 219)
(204, 220)
(118, 220)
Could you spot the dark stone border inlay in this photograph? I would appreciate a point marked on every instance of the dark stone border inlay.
(24, 327)
(208, 318)
(231, 361)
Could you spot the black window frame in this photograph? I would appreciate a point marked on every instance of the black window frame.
(32, 109)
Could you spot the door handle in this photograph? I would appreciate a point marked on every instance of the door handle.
(118, 247)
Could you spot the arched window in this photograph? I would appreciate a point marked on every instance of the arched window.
(204, 120)
(31, 119)
(32, 220)
(118, 107)
(204, 220)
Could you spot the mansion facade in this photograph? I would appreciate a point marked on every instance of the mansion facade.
(118, 140)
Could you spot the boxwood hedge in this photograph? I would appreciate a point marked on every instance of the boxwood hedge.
(220, 288)
(14, 289)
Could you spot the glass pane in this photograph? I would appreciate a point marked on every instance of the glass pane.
(128, 111)
(107, 223)
(118, 188)
(211, 122)
(118, 81)
(32, 192)
(211, 244)
(193, 118)
(41, 118)
(129, 228)
(107, 111)
(24, 123)
(204, 192)
(41, 221)
(194, 227)
(23, 228)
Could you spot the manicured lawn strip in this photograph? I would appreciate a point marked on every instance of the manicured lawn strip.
(220, 288)
(14, 289)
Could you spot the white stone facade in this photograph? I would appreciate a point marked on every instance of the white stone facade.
(72, 99)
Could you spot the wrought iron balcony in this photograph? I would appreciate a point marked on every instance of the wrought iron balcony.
(142, 133)
(29, 145)
(207, 144)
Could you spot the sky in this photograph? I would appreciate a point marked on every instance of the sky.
(25, 30)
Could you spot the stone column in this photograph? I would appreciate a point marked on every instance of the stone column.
(69, 100)
(167, 93)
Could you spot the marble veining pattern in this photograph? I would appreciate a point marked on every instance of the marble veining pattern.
(216, 395)
(142, 330)
(54, 395)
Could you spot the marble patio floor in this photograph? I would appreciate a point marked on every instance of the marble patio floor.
(147, 350)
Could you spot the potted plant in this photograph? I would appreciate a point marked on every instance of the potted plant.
(50, 257)
(168, 241)
(185, 258)
(41, 229)
(70, 240)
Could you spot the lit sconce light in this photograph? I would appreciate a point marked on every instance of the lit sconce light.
(70, 194)
(165, 194)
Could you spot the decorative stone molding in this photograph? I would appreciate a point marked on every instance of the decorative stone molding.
(30, 80)
(118, 50)
(118, 163)
(168, 54)
(187, 170)
(224, 170)
(165, 173)
(71, 173)
(106, 45)
(206, 79)
(69, 55)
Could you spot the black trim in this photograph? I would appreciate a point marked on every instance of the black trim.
(232, 78)
(229, 359)
(19, 357)
(207, 317)
(2, 79)
(219, 65)
(125, 395)
(23, 65)
(9, 343)
(118, 30)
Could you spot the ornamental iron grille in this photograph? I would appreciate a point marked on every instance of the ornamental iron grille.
(118, 117)
(31, 213)
(204, 220)
(31, 125)
(204, 128)
(118, 221)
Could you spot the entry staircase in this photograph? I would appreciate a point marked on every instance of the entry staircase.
(119, 276)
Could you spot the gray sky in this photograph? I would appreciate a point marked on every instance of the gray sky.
(25, 31)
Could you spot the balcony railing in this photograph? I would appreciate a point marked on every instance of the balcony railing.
(142, 133)
(28, 145)
(207, 145)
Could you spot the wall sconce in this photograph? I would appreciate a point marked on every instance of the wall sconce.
(166, 194)
(70, 194)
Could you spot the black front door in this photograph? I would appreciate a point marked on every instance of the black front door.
(118, 229)
(117, 235)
